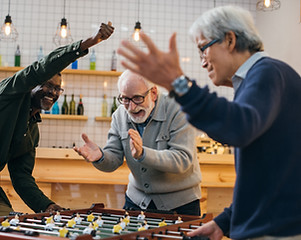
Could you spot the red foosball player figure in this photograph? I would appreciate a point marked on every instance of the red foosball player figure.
(117, 228)
(162, 223)
(90, 217)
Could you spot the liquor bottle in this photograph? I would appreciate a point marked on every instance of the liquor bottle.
(114, 106)
(18, 57)
(104, 106)
(80, 106)
(72, 106)
(93, 60)
(114, 61)
(65, 106)
(40, 53)
(74, 65)
(55, 108)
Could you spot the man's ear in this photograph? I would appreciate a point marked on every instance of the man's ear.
(230, 39)
(154, 92)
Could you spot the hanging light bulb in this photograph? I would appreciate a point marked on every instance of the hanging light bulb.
(136, 34)
(8, 30)
(268, 5)
(137, 28)
(63, 33)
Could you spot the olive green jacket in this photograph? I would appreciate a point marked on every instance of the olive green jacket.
(19, 131)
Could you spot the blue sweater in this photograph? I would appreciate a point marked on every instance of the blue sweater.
(263, 123)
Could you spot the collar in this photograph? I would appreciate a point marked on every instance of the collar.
(35, 118)
(242, 71)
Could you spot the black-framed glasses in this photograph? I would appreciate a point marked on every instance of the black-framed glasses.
(55, 89)
(202, 49)
(137, 99)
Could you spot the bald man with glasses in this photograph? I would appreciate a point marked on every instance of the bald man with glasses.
(151, 133)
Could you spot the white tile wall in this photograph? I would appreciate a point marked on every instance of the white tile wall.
(36, 22)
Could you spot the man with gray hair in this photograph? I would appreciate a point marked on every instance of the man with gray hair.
(262, 122)
(151, 133)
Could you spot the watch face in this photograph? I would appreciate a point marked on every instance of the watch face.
(181, 85)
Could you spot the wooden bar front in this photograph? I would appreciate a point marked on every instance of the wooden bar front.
(73, 183)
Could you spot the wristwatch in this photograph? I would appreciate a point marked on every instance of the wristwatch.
(181, 86)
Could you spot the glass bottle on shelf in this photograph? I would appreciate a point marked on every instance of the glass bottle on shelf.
(114, 106)
(114, 61)
(72, 106)
(55, 108)
(40, 53)
(18, 57)
(93, 60)
(65, 106)
(80, 106)
(74, 65)
(104, 106)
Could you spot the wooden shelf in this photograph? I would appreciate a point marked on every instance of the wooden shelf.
(103, 119)
(71, 71)
(64, 117)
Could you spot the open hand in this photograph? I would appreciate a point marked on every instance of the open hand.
(90, 151)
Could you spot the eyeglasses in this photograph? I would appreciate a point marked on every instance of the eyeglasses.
(55, 89)
(202, 49)
(137, 99)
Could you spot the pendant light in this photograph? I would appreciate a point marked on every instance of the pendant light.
(268, 5)
(63, 33)
(137, 28)
(8, 30)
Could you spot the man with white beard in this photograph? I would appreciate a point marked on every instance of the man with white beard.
(149, 130)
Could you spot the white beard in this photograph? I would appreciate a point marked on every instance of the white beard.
(147, 112)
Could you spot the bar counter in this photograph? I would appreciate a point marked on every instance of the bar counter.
(70, 181)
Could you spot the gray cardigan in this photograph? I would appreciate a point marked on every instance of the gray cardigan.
(170, 173)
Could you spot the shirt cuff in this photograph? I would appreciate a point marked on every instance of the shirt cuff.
(101, 159)
(142, 157)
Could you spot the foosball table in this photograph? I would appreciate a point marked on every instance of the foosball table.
(99, 222)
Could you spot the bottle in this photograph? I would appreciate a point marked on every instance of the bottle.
(114, 106)
(65, 106)
(18, 57)
(93, 60)
(104, 106)
(80, 106)
(74, 65)
(55, 108)
(72, 106)
(114, 61)
(40, 53)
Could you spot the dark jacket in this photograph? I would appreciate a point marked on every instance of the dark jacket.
(19, 131)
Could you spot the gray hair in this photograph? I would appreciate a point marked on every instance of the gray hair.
(125, 76)
(215, 23)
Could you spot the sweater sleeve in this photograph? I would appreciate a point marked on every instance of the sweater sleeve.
(239, 122)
